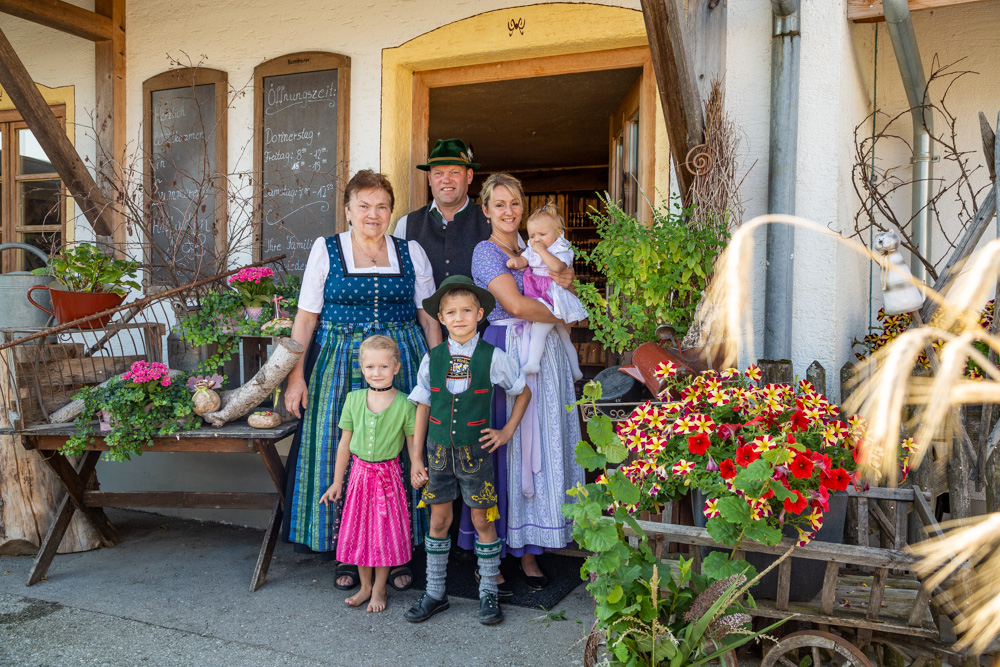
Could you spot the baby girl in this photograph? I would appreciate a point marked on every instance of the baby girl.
(548, 250)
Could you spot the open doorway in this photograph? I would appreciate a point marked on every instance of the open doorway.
(568, 136)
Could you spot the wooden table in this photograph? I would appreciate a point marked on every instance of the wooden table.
(232, 438)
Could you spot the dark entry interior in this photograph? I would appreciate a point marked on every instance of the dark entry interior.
(554, 134)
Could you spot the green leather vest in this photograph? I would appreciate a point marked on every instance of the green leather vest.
(457, 419)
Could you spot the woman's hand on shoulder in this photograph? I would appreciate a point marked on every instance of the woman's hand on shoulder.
(296, 395)
(564, 278)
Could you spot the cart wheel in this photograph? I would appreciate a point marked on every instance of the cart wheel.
(824, 649)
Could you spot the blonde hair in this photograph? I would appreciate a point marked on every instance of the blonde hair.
(497, 180)
(378, 343)
(550, 210)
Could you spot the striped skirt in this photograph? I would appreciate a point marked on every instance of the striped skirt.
(375, 528)
(333, 358)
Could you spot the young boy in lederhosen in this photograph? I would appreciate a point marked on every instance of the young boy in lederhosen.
(454, 397)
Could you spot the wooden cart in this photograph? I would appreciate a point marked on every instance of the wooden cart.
(872, 609)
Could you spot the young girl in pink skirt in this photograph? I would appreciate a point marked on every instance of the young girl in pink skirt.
(375, 527)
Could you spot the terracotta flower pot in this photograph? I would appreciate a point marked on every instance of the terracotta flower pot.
(69, 306)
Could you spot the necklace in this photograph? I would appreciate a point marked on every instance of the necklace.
(498, 241)
(370, 388)
(365, 252)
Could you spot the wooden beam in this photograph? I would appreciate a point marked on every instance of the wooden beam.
(61, 16)
(109, 116)
(670, 44)
(14, 78)
(869, 10)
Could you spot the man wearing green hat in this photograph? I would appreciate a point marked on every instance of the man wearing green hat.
(450, 226)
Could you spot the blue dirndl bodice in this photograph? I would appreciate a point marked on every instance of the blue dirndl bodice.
(368, 298)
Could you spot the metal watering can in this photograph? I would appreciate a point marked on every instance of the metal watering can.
(15, 310)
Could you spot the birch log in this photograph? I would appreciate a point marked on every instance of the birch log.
(238, 402)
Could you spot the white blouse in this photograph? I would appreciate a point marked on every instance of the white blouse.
(318, 266)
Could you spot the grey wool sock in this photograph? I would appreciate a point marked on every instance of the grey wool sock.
(489, 566)
(437, 565)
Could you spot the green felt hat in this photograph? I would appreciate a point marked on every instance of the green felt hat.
(449, 151)
(433, 302)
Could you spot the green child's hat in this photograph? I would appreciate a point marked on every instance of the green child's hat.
(433, 302)
(449, 151)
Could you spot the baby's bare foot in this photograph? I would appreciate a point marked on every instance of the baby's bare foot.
(361, 597)
(378, 602)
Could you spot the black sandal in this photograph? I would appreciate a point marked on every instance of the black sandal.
(534, 583)
(401, 571)
(346, 570)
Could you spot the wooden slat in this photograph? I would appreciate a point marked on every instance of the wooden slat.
(883, 523)
(164, 444)
(91, 370)
(847, 554)
(873, 9)
(881, 493)
(863, 523)
(926, 515)
(180, 499)
(829, 592)
(61, 16)
(267, 547)
(919, 607)
(878, 592)
(16, 81)
(784, 583)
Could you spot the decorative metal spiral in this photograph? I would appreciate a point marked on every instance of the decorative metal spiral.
(698, 161)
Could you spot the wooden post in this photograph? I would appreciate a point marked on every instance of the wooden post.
(14, 78)
(687, 42)
(109, 116)
(816, 374)
(776, 372)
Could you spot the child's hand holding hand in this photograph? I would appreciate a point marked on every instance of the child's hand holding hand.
(418, 475)
(332, 494)
(517, 263)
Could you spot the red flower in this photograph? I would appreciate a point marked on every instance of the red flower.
(698, 443)
(838, 479)
(801, 467)
(768, 494)
(727, 431)
(727, 469)
(798, 505)
(746, 455)
(799, 421)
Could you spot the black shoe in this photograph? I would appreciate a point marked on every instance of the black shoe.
(489, 610)
(503, 587)
(424, 608)
(535, 583)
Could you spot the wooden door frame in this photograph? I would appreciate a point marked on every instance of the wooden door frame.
(591, 61)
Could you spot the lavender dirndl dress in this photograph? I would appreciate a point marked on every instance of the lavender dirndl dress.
(536, 468)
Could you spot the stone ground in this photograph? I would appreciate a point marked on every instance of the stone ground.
(176, 592)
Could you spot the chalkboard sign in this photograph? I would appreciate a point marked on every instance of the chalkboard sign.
(186, 212)
(300, 149)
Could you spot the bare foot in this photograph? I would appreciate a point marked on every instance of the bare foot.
(361, 597)
(347, 581)
(530, 566)
(377, 603)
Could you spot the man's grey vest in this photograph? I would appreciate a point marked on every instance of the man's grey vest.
(449, 247)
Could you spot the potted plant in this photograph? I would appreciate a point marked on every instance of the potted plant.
(655, 273)
(139, 405)
(255, 285)
(766, 460)
(648, 613)
(92, 281)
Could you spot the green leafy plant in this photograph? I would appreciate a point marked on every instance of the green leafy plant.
(85, 268)
(648, 618)
(141, 404)
(655, 273)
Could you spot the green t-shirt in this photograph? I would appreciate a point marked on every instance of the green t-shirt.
(377, 437)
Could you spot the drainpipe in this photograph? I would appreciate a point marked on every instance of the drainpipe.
(781, 178)
(904, 44)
